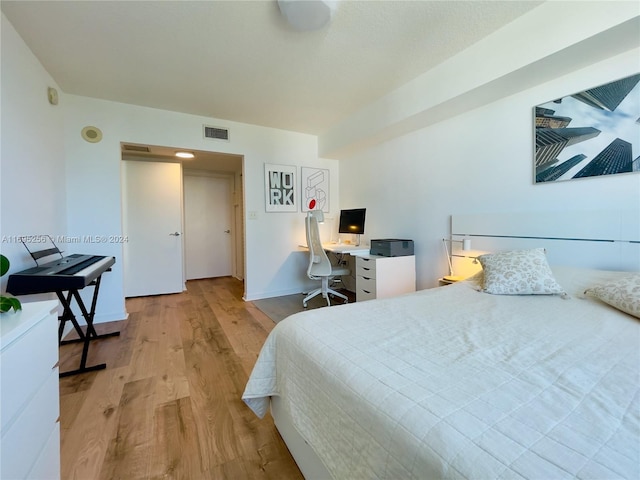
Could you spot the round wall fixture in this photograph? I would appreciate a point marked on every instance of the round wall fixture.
(91, 134)
(52, 95)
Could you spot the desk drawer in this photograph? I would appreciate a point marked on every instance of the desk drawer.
(365, 288)
(363, 294)
(366, 267)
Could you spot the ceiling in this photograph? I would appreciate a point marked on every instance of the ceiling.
(211, 161)
(240, 61)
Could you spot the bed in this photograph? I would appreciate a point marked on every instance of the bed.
(466, 381)
(452, 382)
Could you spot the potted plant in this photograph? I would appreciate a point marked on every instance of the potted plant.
(7, 303)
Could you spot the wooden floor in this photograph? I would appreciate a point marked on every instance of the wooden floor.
(168, 404)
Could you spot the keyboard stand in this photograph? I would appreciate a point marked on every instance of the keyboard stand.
(84, 337)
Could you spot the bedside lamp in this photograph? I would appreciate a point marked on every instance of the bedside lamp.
(466, 246)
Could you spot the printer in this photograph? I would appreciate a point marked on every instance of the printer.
(391, 247)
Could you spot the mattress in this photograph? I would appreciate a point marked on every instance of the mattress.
(454, 383)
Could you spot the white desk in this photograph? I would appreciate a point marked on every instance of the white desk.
(382, 277)
(375, 276)
(346, 249)
(343, 248)
(339, 250)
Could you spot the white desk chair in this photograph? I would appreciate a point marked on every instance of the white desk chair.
(320, 267)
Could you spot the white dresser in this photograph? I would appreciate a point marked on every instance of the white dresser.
(30, 399)
(382, 277)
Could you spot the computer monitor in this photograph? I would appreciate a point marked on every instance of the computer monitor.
(352, 221)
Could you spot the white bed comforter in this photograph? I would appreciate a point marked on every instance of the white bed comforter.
(454, 383)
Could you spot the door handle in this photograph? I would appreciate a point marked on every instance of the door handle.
(227, 231)
(175, 234)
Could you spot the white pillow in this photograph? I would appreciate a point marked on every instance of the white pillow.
(622, 293)
(575, 280)
(518, 272)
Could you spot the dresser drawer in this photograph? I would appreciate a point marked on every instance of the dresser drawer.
(48, 463)
(26, 438)
(26, 364)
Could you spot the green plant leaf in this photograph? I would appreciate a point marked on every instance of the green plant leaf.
(7, 303)
(4, 265)
(15, 303)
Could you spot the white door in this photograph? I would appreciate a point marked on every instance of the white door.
(207, 223)
(152, 224)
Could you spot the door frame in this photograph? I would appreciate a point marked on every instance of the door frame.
(230, 178)
(238, 203)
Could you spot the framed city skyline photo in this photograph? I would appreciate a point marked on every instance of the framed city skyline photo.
(590, 133)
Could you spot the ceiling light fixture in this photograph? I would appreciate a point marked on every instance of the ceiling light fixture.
(307, 15)
(185, 155)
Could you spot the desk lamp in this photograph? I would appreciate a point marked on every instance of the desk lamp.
(466, 246)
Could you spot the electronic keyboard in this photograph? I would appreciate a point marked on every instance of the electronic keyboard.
(73, 272)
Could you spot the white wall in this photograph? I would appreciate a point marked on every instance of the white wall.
(478, 161)
(273, 264)
(32, 156)
(552, 40)
(406, 183)
(54, 182)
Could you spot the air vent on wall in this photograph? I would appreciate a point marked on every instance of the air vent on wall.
(135, 148)
(216, 133)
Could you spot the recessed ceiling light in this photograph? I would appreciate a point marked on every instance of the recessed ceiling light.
(185, 154)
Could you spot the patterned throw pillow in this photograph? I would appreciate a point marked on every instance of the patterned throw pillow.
(622, 293)
(518, 272)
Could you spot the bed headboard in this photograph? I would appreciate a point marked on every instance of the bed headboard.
(608, 240)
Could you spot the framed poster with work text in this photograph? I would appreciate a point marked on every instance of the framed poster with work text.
(280, 188)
